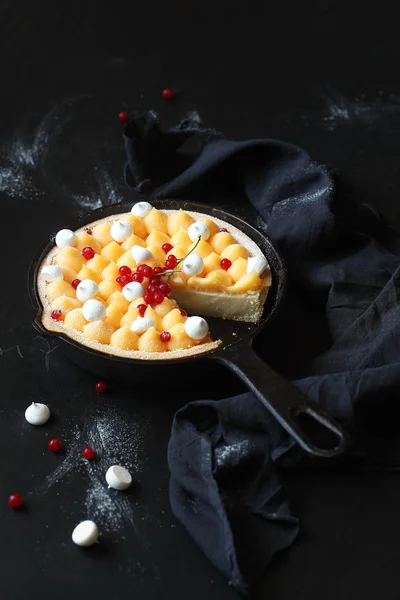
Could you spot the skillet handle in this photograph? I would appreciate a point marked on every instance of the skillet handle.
(283, 400)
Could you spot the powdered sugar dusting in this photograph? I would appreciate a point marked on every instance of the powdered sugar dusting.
(231, 455)
(104, 194)
(116, 438)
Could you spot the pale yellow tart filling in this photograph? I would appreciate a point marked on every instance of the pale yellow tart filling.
(224, 286)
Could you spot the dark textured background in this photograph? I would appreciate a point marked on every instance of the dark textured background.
(321, 74)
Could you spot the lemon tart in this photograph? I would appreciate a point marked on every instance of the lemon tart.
(141, 284)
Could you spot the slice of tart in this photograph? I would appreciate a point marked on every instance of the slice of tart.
(139, 284)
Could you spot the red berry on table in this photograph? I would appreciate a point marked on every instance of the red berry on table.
(165, 336)
(54, 445)
(101, 386)
(123, 116)
(171, 261)
(158, 298)
(56, 314)
(225, 264)
(124, 270)
(158, 270)
(141, 309)
(164, 288)
(88, 230)
(124, 279)
(75, 283)
(88, 453)
(222, 229)
(15, 500)
(166, 247)
(183, 312)
(147, 271)
(88, 252)
(148, 298)
(167, 93)
(138, 277)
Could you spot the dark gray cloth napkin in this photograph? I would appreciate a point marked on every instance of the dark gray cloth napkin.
(337, 338)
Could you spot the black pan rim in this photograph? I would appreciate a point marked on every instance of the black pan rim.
(280, 280)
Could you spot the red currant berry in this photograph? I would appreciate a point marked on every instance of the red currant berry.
(88, 230)
(124, 270)
(155, 281)
(158, 270)
(88, 252)
(141, 267)
(15, 500)
(101, 386)
(167, 247)
(225, 264)
(165, 336)
(118, 280)
(56, 315)
(123, 116)
(138, 277)
(223, 229)
(147, 271)
(164, 288)
(75, 283)
(124, 279)
(158, 298)
(167, 93)
(151, 288)
(54, 445)
(171, 261)
(88, 453)
(183, 312)
(148, 298)
(141, 309)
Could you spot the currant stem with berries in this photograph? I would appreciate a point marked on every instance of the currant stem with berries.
(170, 272)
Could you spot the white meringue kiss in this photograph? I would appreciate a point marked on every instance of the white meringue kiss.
(257, 263)
(118, 478)
(192, 264)
(141, 209)
(120, 230)
(141, 324)
(133, 290)
(85, 534)
(86, 290)
(196, 328)
(52, 272)
(65, 237)
(93, 310)
(37, 413)
(140, 254)
(198, 229)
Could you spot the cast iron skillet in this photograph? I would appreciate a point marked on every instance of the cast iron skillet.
(282, 399)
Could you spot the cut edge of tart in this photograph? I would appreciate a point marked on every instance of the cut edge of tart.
(233, 305)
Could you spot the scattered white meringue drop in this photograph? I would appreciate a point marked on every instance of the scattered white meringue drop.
(85, 534)
(93, 310)
(141, 209)
(118, 478)
(141, 254)
(198, 228)
(256, 263)
(141, 324)
(120, 230)
(52, 272)
(192, 264)
(132, 290)
(196, 327)
(86, 290)
(65, 237)
(37, 413)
